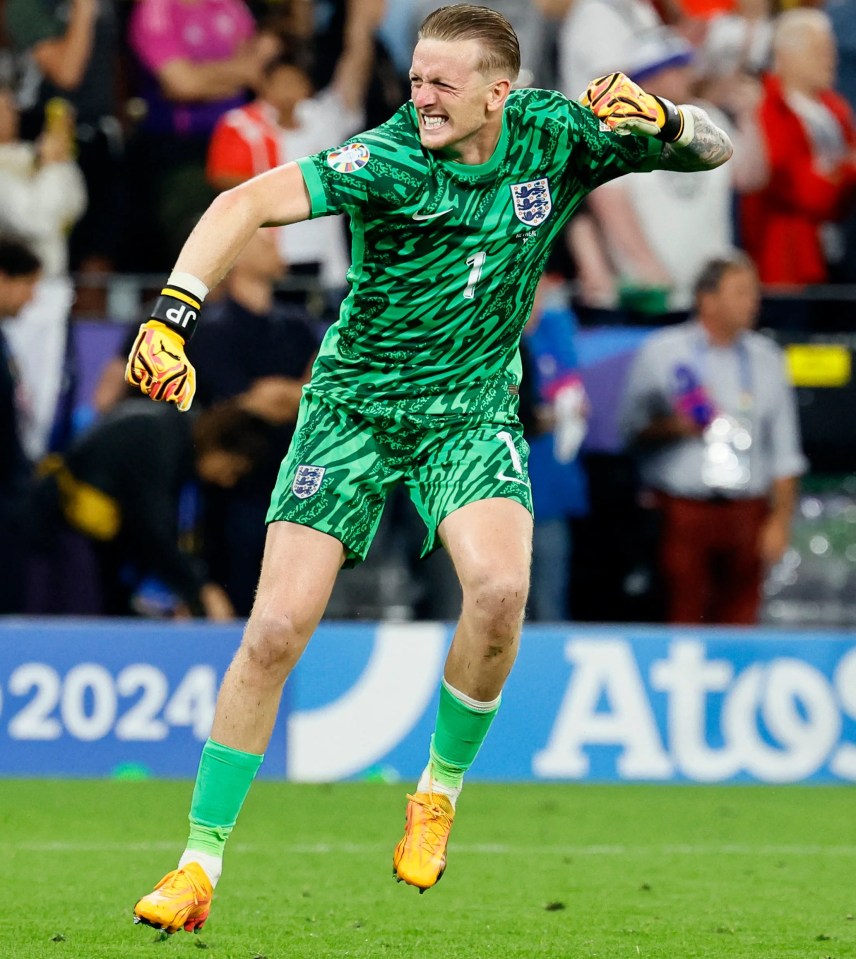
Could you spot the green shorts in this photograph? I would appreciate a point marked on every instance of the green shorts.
(343, 462)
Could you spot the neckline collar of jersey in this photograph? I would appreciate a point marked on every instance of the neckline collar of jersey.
(475, 171)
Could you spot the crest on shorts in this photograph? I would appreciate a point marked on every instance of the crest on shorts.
(532, 201)
(349, 159)
(307, 481)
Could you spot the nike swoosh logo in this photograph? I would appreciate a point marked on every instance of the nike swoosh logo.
(511, 479)
(431, 216)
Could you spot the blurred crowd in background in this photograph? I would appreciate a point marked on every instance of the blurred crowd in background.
(121, 120)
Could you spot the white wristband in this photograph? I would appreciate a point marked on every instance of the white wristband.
(187, 281)
(689, 128)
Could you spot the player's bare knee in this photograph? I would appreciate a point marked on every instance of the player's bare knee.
(497, 604)
(273, 642)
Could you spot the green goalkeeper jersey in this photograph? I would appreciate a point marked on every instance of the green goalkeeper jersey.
(446, 256)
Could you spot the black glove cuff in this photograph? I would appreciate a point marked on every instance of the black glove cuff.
(177, 309)
(674, 124)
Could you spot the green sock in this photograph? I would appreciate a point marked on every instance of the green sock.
(222, 783)
(458, 735)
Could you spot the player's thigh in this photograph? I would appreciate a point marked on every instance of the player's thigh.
(299, 570)
(334, 477)
(490, 543)
(473, 492)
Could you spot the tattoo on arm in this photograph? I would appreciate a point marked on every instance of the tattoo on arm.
(710, 147)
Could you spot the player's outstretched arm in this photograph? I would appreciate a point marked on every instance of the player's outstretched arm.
(691, 140)
(705, 148)
(157, 364)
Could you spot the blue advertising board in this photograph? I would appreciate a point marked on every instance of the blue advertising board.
(112, 697)
(629, 703)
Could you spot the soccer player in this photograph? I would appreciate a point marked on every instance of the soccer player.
(454, 203)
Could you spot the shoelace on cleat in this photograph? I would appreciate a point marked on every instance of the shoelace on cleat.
(435, 828)
(172, 885)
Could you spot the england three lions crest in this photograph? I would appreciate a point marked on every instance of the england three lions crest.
(532, 201)
(307, 481)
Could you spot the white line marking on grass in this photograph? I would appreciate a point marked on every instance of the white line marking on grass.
(498, 849)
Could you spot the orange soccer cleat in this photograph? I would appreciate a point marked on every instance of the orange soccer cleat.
(181, 900)
(420, 857)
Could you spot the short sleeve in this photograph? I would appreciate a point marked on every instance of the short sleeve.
(378, 169)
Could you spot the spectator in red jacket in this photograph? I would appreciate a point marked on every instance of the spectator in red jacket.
(790, 227)
(290, 120)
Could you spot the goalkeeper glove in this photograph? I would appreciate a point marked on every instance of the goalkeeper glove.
(626, 108)
(157, 363)
(158, 366)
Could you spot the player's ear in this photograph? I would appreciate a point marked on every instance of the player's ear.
(498, 94)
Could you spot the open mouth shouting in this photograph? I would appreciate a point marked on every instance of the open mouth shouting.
(431, 123)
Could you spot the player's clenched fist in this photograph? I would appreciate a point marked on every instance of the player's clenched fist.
(158, 366)
(626, 108)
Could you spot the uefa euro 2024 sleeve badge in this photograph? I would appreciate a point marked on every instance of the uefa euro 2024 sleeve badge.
(349, 158)
(307, 481)
(532, 201)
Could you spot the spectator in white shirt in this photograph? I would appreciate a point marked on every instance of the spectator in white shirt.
(42, 195)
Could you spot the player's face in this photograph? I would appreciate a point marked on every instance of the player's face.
(456, 104)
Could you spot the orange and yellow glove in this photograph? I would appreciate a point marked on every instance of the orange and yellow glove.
(158, 365)
(626, 108)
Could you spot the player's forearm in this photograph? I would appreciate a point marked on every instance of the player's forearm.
(706, 148)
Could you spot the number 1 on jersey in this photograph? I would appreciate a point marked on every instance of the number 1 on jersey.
(476, 261)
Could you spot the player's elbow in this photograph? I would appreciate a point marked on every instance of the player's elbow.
(242, 204)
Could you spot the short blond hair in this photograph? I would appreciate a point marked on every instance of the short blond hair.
(466, 21)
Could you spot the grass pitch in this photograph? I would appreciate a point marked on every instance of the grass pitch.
(548, 871)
